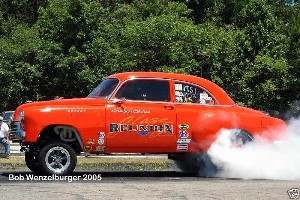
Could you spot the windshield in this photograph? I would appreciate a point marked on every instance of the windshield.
(104, 89)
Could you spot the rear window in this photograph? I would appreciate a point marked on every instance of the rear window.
(189, 93)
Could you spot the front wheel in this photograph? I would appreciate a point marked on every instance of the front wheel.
(31, 159)
(57, 158)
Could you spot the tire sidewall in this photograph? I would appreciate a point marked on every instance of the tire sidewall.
(31, 160)
(44, 151)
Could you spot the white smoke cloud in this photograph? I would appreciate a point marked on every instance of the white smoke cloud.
(259, 159)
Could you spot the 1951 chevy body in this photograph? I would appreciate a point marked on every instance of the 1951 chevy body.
(135, 112)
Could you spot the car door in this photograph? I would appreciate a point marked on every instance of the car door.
(141, 117)
(194, 105)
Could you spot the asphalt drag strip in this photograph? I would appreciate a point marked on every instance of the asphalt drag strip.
(142, 185)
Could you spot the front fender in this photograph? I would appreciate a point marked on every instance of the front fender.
(86, 121)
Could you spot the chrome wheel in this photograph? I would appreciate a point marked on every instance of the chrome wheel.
(57, 159)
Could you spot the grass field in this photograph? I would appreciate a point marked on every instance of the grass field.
(96, 163)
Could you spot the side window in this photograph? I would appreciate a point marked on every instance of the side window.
(188, 93)
(145, 90)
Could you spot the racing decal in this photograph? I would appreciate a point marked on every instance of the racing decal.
(183, 141)
(183, 131)
(165, 128)
(178, 87)
(190, 91)
(179, 96)
(101, 138)
(90, 142)
(136, 111)
(185, 93)
(182, 147)
(142, 125)
(100, 148)
(179, 93)
(87, 148)
(143, 133)
(143, 120)
(100, 141)
(205, 98)
(101, 134)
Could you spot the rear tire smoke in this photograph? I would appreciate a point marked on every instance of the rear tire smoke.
(196, 163)
(202, 164)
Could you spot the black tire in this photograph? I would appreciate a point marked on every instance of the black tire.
(32, 162)
(188, 162)
(201, 163)
(57, 158)
(241, 136)
(196, 163)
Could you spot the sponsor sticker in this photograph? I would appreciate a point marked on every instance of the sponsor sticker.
(101, 134)
(100, 148)
(101, 138)
(144, 133)
(183, 131)
(203, 95)
(178, 87)
(90, 142)
(182, 147)
(87, 148)
(183, 141)
(202, 101)
(136, 111)
(141, 128)
(179, 94)
(101, 141)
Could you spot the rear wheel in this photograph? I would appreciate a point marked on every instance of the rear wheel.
(191, 162)
(201, 163)
(240, 137)
(57, 158)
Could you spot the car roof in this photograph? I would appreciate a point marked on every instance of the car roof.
(217, 91)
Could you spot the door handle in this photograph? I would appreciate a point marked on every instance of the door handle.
(169, 107)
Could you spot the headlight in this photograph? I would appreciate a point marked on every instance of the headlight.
(21, 119)
(21, 116)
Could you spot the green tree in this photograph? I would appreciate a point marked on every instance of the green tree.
(66, 27)
(19, 73)
(65, 47)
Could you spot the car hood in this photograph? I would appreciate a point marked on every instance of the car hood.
(75, 102)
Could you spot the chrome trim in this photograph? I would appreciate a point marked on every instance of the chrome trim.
(16, 133)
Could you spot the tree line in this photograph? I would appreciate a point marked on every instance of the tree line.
(251, 48)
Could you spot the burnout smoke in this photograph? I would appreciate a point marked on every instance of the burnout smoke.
(259, 159)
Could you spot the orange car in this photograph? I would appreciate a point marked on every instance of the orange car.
(135, 112)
